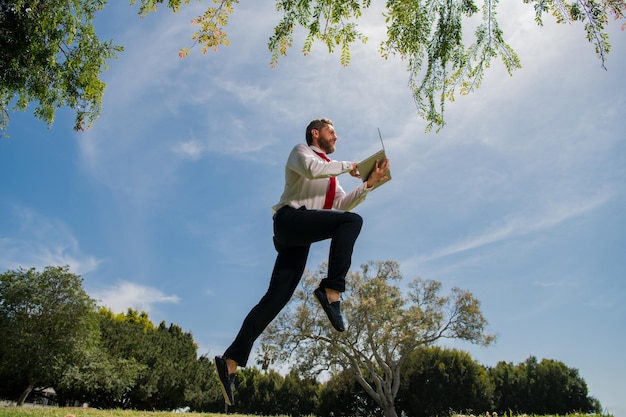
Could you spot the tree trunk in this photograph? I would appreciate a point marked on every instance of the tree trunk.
(24, 395)
(389, 411)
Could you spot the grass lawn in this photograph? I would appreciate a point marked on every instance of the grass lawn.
(91, 412)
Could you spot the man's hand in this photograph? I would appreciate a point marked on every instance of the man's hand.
(355, 170)
(379, 173)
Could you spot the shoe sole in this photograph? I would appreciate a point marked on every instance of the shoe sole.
(222, 387)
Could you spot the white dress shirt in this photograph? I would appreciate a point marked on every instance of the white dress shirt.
(306, 181)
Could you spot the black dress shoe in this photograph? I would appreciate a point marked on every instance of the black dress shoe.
(226, 380)
(332, 310)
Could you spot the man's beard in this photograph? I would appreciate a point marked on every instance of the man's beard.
(326, 146)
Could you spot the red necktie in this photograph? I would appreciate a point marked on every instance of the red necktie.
(332, 186)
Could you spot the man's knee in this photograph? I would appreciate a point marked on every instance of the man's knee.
(354, 217)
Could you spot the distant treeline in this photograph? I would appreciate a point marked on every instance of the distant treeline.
(54, 336)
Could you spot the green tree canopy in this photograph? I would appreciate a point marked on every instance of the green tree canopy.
(139, 365)
(342, 395)
(427, 34)
(100, 379)
(51, 56)
(385, 326)
(540, 387)
(47, 323)
(202, 393)
(436, 380)
(298, 396)
(169, 376)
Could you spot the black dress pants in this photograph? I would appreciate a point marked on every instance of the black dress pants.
(294, 231)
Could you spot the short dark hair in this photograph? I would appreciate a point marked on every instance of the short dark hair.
(316, 124)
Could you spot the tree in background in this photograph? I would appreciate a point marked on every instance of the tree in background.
(298, 396)
(175, 360)
(546, 387)
(427, 34)
(436, 380)
(171, 375)
(269, 393)
(441, 381)
(50, 55)
(384, 328)
(202, 393)
(129, 336)
(54, 337)
(47, 323)
(51, 339)
(256, 391)
(99, 379)
(342, 395)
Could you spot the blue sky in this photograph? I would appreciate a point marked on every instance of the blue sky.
(164, 205)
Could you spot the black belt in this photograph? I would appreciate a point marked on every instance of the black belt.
(285, 208)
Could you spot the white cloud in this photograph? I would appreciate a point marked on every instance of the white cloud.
(40, 241)
(520, 225)
(124, 295)
(191, 149)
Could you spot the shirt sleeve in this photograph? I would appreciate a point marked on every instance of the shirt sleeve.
(348, 201)
(306, 163)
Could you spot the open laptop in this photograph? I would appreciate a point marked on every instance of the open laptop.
(367, 165)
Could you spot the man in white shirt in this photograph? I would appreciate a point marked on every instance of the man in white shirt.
(312, 208)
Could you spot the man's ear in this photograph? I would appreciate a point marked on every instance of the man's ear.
(315, 134)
